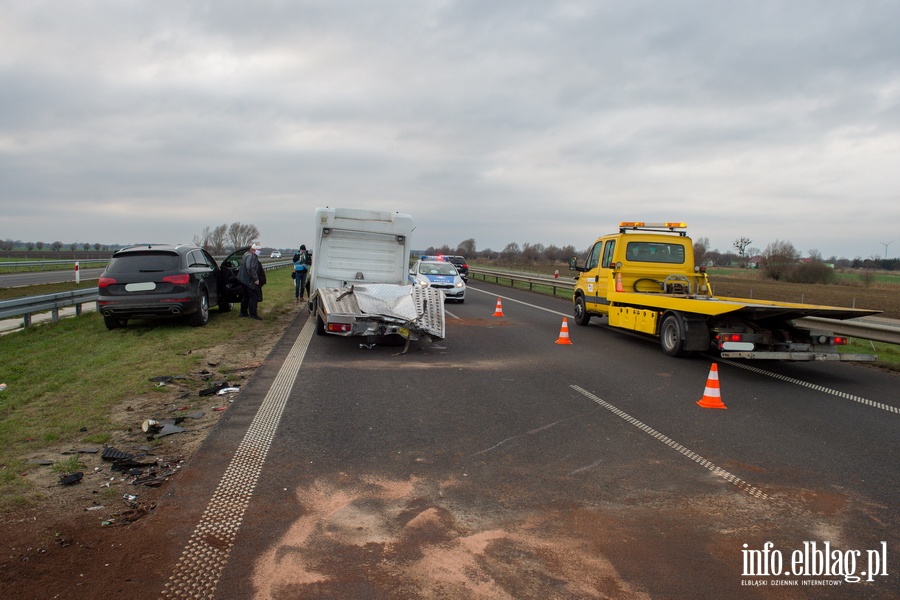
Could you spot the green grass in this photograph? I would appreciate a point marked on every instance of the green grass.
(63, 379)
(47, 288)
(888, 354)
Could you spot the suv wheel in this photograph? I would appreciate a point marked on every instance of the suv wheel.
(114, 323)
(201, 317)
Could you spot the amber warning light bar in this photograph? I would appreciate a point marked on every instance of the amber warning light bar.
(666, 225)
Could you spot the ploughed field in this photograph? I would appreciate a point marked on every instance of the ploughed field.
(879, 296)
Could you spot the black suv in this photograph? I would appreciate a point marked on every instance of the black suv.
(461, 265)
(151, 281)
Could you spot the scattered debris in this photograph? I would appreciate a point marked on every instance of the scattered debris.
(86, 450)
(71, 478)
(2, 386)
(228, 390)
(112, 454)
(214, 389)
(135, 511)
(166, 378)
(39, 461)
(168, 430)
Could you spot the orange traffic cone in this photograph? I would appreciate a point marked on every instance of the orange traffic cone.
(712, 398)
(564, 333)
(619, 287)
(498, 312)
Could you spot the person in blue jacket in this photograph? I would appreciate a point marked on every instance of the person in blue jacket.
(302, 261)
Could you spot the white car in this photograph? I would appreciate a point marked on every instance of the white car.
(435, 272)
(276, 254)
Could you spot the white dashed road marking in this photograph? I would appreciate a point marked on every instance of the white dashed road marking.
(737, 481)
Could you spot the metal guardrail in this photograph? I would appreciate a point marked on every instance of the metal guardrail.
(865, 328)
(25, 307)
(42, 264)
(52, 303)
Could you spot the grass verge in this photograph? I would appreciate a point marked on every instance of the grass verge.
(64, 379)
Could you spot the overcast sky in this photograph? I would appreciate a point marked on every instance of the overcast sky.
(502, 121)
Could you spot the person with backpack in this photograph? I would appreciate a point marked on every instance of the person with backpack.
(302, 260)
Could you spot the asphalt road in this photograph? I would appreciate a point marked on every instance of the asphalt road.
(10, 280)
(497, 463)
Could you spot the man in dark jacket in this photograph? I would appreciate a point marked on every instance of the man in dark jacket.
(252, 276)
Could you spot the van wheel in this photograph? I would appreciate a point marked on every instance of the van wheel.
(320, 324)
(581, 314)
(201, 317)
(671, 336)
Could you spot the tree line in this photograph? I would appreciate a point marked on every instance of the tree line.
(216, 240)
(780, 260)
(9, 245)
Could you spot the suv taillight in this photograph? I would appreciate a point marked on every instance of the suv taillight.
(105, 282)
(183, 279)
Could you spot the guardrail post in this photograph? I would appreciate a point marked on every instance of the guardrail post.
(26, 320)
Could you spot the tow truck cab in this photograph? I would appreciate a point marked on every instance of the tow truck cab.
(642, 257)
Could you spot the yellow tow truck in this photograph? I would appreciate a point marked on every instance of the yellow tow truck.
(644, 279)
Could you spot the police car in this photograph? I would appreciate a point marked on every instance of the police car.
(438, 273)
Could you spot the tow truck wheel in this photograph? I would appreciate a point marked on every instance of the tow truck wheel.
(581, 314)
(671, 336)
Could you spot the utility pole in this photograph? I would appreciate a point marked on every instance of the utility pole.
(885, 248)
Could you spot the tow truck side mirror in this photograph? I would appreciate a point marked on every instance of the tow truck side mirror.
(573, 264)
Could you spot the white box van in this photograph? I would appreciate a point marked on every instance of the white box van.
(358, 279)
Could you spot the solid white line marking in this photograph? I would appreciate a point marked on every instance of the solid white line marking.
(813, 386)
(508, 299)
(204, 558)
(737, 481)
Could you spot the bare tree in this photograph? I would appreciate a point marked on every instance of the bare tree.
(56, 246)
(240, 235)
(510, 252)
(740, 245)
(701, 247)
(532, 253)
(466, 248)
(778, 259)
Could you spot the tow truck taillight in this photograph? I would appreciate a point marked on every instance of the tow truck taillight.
(731, 337)
(339, 327)
(836, 340)
(104, 282)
